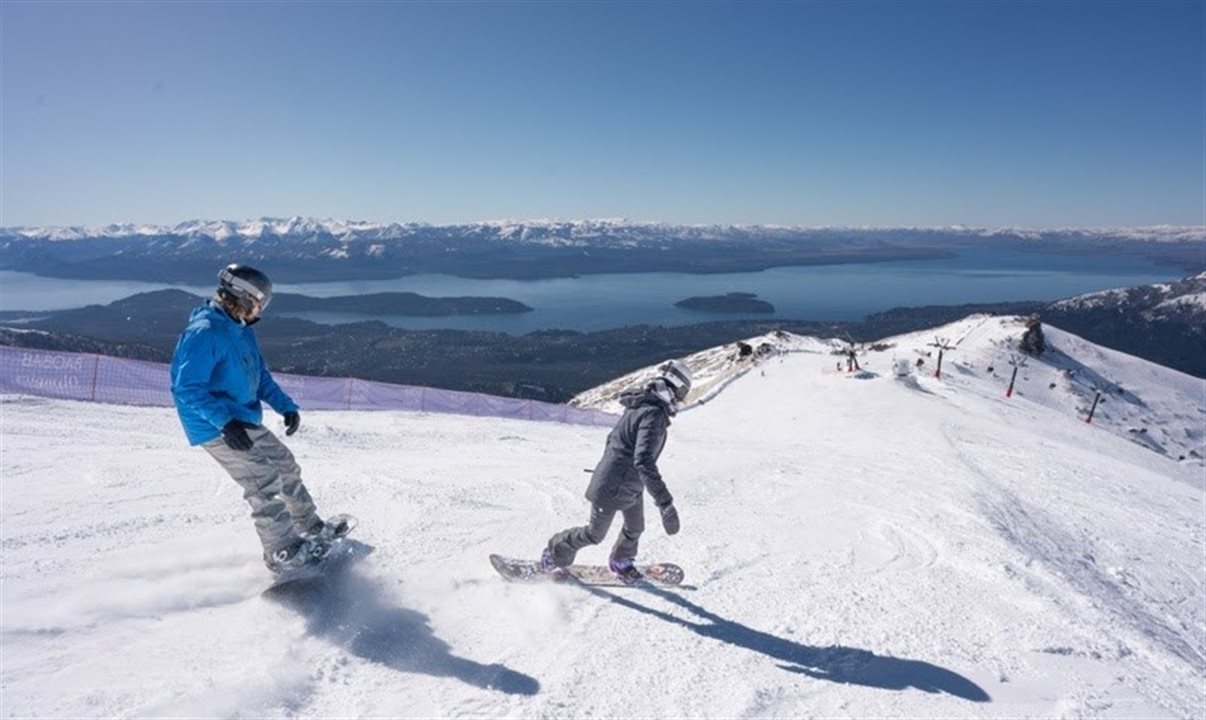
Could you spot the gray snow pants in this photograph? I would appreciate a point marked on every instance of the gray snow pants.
(272, 485)
(566, 544)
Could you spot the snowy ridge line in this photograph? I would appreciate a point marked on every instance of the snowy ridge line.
(713, 392)
(104, 379)
(713, 368)
(720, 387)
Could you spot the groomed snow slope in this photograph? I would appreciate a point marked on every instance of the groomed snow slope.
(855, 546)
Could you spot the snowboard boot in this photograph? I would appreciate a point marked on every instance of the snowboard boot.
(625, 570)
(302, 552)
(549, 566)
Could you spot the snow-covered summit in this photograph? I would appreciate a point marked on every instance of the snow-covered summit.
(856, 544)
(1157, 407)
(1149, 301)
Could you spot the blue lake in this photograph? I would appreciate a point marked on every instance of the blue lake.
(596, 302)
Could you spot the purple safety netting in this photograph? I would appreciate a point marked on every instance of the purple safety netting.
(130, 382)
(99, 378)
(369, 395)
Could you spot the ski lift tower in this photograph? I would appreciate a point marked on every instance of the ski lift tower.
(1018, 364)
(943, 345)
(1098, 392)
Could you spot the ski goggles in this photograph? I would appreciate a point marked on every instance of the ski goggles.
(247, 289)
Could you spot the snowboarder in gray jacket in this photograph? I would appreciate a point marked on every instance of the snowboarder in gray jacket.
(628, 468)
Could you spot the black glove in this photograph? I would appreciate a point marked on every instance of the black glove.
(234, 434)
(292, 420)
(669, 518)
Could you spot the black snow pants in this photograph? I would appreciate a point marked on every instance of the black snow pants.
(566, 544)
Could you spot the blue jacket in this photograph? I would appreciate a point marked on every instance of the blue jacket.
(219, 375)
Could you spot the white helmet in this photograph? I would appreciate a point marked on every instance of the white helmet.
(677, 377)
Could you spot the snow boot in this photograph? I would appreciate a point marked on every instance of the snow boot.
(625, 570)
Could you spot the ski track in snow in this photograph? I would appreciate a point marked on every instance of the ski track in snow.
(861, 547)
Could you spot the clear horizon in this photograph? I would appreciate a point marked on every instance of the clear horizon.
(875, 114)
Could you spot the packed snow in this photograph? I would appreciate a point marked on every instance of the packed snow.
(882, 543)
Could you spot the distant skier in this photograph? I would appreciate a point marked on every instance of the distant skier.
(218, 380)
(852, 360)
(627, 469)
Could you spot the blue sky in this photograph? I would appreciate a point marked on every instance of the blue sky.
(1033, 114)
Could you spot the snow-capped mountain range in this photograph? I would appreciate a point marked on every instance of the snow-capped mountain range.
(884, 543)
(549, 231)
(315, 250)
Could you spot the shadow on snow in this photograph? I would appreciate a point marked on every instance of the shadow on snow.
(350, 611)
(846, 665)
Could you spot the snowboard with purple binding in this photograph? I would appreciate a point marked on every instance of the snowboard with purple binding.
(529, 571)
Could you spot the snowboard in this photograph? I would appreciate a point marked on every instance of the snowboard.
(335, 553)
(529, 571)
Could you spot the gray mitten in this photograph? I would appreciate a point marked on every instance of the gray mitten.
(669, 518)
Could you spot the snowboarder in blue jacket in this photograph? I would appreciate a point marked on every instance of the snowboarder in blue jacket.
(627, 469)
(219, 379)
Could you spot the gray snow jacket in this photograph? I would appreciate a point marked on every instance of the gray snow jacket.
(629, 463)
